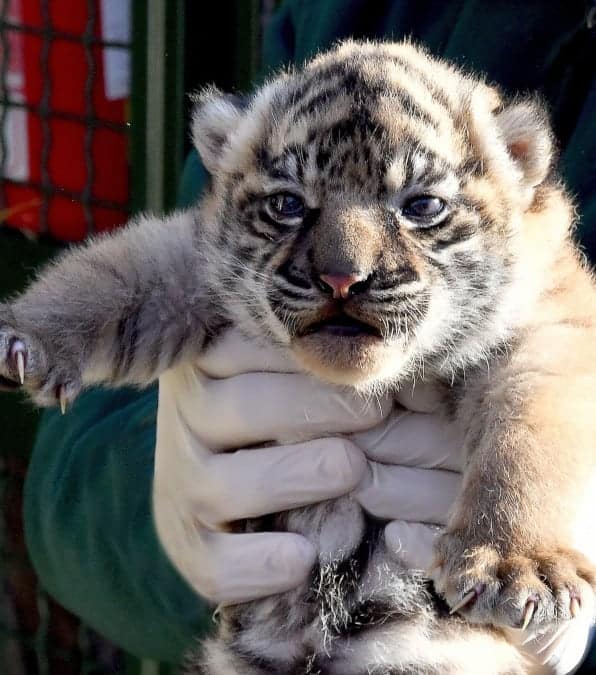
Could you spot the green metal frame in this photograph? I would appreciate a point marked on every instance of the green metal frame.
(162, 73)
(157, 102)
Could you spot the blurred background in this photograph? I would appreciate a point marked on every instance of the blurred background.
(92, 128)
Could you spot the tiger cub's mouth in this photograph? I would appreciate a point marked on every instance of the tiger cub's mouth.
(343, 349)
(342, 325)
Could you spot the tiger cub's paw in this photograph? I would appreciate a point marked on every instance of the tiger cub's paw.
(26, 364)
(524, 590)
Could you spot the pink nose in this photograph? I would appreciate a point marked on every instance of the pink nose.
(340, 284)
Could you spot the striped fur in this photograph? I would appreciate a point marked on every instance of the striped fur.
(476, 302)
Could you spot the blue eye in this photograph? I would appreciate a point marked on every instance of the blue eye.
(286, 205)
(423, 208)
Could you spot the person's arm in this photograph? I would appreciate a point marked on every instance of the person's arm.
(90, 531)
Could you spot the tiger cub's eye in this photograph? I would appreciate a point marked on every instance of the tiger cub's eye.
(286, 205)
(423, 208)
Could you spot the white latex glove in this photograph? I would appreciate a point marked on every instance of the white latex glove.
(197, 492)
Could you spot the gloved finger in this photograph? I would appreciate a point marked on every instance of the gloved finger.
(564, 653)
(412, 543)
(406, 493)
(257, 407)
(559, 650)
(234, 354)
(232, 568)
(413, 439)
(562, 647)
(251, 483)
(249, 566)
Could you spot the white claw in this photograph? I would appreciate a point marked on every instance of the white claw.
(21, 366)
(468, 597)
(528, 614)
(63, 400)
(574, 607)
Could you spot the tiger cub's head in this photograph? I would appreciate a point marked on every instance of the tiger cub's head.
(366, 210)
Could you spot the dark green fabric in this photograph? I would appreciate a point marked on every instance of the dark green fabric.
(89, 526)
(87, 507)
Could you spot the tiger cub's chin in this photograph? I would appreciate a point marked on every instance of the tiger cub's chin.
(359, 361)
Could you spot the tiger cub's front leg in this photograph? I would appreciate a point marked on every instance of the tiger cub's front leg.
(515, 552)
(118, 310)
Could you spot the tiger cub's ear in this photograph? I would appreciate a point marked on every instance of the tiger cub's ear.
(214, 117)
(513, 138)
(525, 128)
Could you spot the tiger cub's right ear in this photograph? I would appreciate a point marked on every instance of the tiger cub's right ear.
(214, 117)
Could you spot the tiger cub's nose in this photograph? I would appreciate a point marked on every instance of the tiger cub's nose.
(341, 286)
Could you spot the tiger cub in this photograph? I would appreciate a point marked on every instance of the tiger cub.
(386, 218)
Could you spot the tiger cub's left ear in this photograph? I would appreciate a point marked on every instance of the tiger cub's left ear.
(525, 129)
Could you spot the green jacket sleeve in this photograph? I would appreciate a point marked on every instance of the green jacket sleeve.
(87, 504)
(90, 531)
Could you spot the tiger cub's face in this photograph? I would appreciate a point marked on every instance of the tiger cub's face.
(364, 211)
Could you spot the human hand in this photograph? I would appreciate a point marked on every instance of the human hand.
(198, 492)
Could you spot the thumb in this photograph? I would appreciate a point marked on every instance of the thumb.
(412, 543)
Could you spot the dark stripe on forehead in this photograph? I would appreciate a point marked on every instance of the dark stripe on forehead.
(433, 176)
(344, 77)
(358, 88)
(361, 122)
(311, 79)
(421, 78)
(278, 172)
(437, 167)
(279, 165)
(323, 157)
(381, 59)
